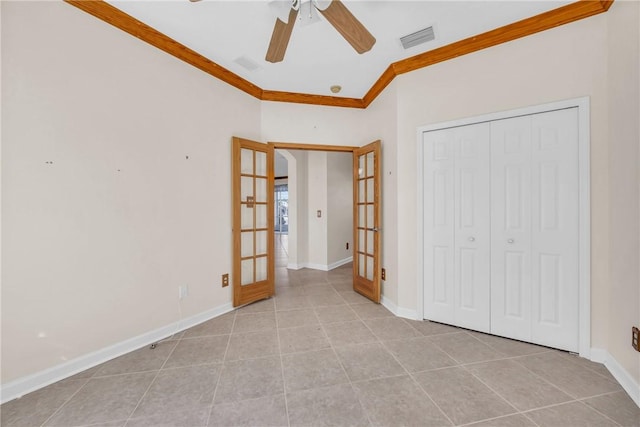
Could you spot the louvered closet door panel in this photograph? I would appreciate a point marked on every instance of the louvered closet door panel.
(511, 228)
(438, 166)
(471, 226)
(555, 240)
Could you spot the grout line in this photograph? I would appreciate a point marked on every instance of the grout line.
(151, 383)
(530, 419)
(582, 401)
(528, 411)
(66, 401)
(411, 377)
(553, 405)
(574, 360)
(344, 370)
(224, 357)
(284, 383)
(491, 419)
(516, 410)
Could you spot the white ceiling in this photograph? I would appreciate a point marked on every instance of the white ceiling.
(317, 56)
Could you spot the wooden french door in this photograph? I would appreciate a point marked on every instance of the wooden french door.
(366, 221)
(253, 221)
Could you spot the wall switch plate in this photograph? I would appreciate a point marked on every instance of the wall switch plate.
(347, 246)
(384, 274)
(635, 338)
(225, 280)
(319, 213)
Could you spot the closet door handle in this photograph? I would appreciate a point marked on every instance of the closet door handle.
(510, 240)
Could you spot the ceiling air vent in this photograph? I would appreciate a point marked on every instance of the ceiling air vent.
(419, 37)
(247, 63)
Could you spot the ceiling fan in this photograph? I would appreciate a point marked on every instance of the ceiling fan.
(336, 13)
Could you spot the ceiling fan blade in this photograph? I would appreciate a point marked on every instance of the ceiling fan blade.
(348, 26)
(280, 37)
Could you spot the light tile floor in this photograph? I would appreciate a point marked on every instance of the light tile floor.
(320, 354)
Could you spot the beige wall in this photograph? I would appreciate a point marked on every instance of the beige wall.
(298, 228)
(624, 184)
(97, 243)
(339, 206)
(316, 201)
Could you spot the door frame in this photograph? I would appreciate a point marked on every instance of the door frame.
(584, 204)
(333, 148)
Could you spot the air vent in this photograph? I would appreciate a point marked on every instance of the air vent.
(247, 63)
(419, 37)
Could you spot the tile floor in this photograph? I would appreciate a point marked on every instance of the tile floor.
(320, 354)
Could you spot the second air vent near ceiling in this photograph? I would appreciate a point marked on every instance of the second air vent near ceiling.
(247, 63)
(419, 37)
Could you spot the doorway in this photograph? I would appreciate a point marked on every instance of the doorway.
(318, 227)
(253, 172)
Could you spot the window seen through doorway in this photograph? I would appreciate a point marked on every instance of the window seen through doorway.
(282, 208)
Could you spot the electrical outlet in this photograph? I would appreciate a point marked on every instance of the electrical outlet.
(183, 291)
(225, 280)
(635, 338)
(384, 274)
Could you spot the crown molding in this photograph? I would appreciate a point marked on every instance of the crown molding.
(563, 15)
(305, 98)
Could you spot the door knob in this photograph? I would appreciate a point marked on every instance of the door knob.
(510, 240)
(472, 239)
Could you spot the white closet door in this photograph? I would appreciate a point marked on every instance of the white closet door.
(501, 227)
(555, 239)
(438, 163)
(472, 226)
(534, 227)
(511, 228)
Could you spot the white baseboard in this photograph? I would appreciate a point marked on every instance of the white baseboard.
(621, 375)
(598, 355)
(398, 311)
(340, 263)
(33, 382)
(321, 267)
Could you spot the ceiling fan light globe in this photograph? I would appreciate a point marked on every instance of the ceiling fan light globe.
(308, 13)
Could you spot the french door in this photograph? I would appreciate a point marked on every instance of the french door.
(366, 221)
(253, 221)
(253, 218)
